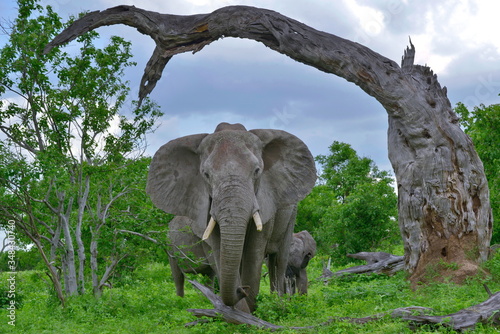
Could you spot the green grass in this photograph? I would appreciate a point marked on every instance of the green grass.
(145, 302)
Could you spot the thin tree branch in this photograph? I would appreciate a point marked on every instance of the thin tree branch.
(140, 235)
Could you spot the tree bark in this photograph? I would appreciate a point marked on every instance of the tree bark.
(466, 319)
(82, 202)
(444, 210)
(68, 258)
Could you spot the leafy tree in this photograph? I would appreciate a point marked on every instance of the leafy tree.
(354, 208)
(69, 164)
(482, 125)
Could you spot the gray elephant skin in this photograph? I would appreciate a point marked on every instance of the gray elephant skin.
(187, 254)
(302, 250)
(241, 189)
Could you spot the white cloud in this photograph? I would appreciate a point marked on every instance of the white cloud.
(370, 19)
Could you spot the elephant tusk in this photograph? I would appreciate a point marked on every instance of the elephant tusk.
(210, 228)
(257, 220)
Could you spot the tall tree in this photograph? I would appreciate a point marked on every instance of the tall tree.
(57, 113)
(482, 124)
(444, 210)
(354, 208)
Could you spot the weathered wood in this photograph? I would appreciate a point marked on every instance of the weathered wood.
(238, 317)
(229, 314)
(487, 312)
(444, 210)
(378, 262)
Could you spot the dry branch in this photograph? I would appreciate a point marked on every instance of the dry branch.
(229, 314)
(487, 312)
(378, 262)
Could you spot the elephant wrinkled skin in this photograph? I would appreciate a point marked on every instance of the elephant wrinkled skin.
(241, 189)
(302, 250)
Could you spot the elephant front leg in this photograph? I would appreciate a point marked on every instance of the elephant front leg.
(252, 260)
(302, 282)
(277, 269)
(177, 275)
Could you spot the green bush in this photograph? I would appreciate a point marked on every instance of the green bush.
(354, 208)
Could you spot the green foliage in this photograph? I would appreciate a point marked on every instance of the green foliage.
(353, 209)
(70, 173)
(145, 302)
(482, 126)
(25, 260)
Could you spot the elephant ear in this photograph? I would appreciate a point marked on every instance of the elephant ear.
(289, 170)
(174, 181)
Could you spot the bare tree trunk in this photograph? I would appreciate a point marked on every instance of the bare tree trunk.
(444, 210)
(102, 212)
(94, 266)
(82, 201)
(68, 259)
(53, 275)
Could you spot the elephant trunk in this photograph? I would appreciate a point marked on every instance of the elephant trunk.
(232, 207)
(232, 242)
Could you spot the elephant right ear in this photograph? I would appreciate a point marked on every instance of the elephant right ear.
(174, 181)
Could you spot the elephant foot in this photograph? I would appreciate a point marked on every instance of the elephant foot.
(242, 305)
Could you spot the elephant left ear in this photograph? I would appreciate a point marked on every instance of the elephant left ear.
(289, 170)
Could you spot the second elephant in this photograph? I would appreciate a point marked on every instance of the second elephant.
(188, 254)
(302, 249)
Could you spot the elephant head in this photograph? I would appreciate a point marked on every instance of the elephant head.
(231, 182)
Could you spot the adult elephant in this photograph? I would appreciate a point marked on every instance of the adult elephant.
(187, 253)
(241, 189)
(302, 250)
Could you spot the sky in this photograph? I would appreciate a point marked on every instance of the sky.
(237, 80)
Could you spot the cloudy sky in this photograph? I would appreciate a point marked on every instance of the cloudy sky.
(237, 80)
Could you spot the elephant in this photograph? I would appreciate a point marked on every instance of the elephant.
(302, 249)
(241, 189)
(187, 253)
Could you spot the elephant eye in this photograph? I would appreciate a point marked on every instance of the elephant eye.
(206, 175)
(257, 172)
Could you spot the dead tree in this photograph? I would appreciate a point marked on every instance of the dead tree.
(444, 210)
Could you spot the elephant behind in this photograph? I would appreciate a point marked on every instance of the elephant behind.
(240, 188)
(302, 249)
(188, 255)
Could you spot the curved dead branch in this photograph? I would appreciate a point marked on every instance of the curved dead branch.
(176, 34)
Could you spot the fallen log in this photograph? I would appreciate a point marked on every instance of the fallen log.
(238, 317)
(227, 313)
(486, 313)
(377, 263)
